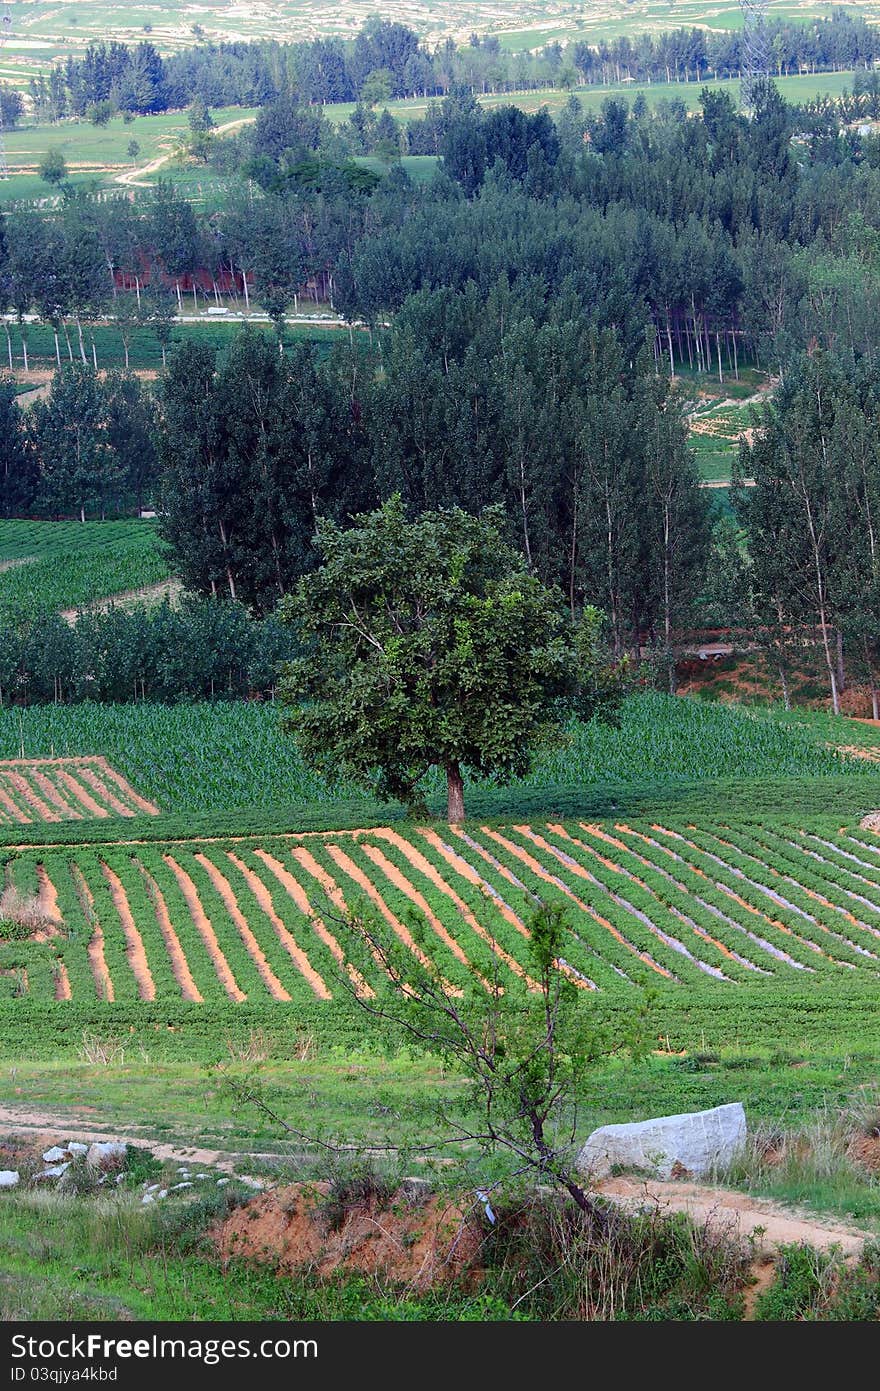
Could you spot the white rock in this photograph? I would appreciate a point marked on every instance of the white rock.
(8, 1178)
(151, 1187)
(174, 1187)
(76, 1148)
(104, 1151)
(251, 1182)
(203, 1175)
(148, 1198)
(696, 1141)
(120, 1177)
(221, 1181)
(54, 1170)
(55, 1154)
(185, 1172)
(163, 1193)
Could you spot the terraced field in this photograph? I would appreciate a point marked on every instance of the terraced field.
(259, 918)
(65, 789)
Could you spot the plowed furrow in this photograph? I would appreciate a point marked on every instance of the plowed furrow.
(134, 946)
(521, 854)
(203, 926)
(182, 974)
(294, 888)
(252, 946)
(294, 951)
(431, 873)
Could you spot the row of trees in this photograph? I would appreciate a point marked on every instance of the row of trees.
(88, 446)
(719, 234)
(386, 59)
(200, 650)
(812, 520)
(474, 403)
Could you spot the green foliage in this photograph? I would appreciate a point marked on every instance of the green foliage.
(53, 167)
(428, 645)
(67, 565)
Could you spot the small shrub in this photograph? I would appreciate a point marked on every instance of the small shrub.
(104, 1052)
(362, 1187)
(21, 915)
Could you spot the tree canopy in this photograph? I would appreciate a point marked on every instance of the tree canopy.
(426, 644)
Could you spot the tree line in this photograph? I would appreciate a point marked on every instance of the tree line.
(531, 312)
(387, 59)
(728, 239)
(199, 650)
(88, 446)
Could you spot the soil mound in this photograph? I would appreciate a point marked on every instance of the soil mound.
(409, 1236)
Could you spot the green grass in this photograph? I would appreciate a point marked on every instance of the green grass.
(91, 147)
(65, 565)
(145, 352)
(110, 1259)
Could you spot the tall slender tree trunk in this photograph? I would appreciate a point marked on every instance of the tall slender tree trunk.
(783, 680)
(454, 794)
(872, 684)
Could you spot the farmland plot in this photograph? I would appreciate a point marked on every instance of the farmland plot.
(66, 789)
(260, 919)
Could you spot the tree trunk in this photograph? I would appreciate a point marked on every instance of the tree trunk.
(783, 679)
(454, 794)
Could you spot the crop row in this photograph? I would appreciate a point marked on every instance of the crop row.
(266, 919)
(66, 789)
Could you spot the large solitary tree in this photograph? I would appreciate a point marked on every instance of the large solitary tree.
(427, 644)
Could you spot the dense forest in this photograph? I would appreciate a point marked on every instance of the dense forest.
(387, 60)
(530, 312)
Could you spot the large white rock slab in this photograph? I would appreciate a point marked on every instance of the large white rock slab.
(8, 1178)
(106, 1152)
(696, 1141)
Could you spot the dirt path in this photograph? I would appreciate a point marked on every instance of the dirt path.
(134, 950)
(126, 598)
(54, 1126)
(742, 1213)
(724, 483)
(134, 178)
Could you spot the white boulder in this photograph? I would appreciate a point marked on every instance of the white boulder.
(54, 1170)
(695, 1141)
(76, 1148)
(8, 1178)
(105, 1152)
(54, 1155)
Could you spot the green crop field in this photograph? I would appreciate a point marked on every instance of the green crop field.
(741, 907)
(191, 758)
(65, 565)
